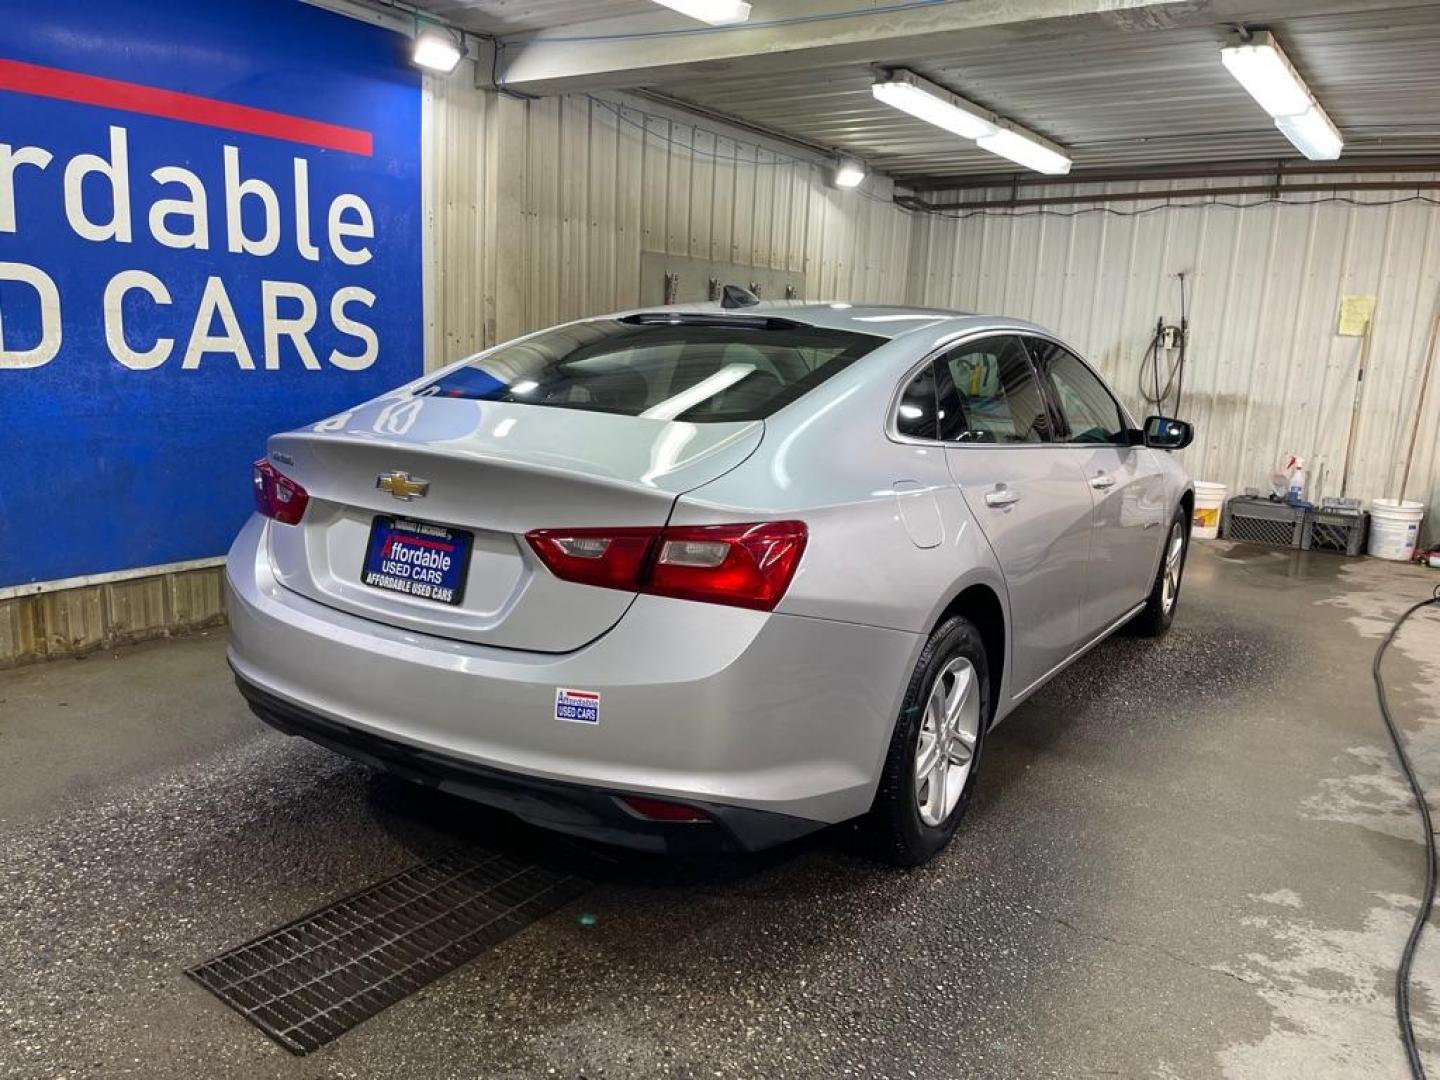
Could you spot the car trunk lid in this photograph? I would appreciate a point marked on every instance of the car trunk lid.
(493, 470)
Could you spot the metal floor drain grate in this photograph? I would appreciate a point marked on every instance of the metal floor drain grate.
(314, 979)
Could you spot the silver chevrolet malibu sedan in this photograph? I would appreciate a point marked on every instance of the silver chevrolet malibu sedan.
(707, 577)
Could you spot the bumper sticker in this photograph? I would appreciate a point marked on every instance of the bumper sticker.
(577, 706)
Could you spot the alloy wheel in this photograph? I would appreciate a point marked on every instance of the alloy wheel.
(949, 730)
(1174, 561)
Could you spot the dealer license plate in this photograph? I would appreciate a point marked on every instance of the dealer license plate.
(418, 559)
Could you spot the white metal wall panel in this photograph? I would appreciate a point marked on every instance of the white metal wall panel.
(1267, 373)
(540, 210)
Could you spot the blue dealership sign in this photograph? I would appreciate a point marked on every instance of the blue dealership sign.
(210, 230)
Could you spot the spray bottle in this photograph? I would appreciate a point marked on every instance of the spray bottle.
(1295, 466)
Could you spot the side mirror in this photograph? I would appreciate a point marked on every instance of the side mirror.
(1163, 433)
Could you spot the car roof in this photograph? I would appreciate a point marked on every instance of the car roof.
(878, 320)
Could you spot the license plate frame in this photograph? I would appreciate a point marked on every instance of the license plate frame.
(437, 578)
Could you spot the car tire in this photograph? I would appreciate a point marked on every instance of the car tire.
(1159, 610)
(914, 817)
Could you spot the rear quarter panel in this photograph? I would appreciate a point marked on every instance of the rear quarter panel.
(891, 541)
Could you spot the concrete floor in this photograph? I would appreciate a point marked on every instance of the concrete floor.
(1186, 859)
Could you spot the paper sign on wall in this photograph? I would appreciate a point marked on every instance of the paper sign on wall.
(1355, 314)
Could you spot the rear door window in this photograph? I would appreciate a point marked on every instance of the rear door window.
(1090, 412)
(706, 368)
(989, 393)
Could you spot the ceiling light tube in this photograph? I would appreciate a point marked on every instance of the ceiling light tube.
(849, 173)
(714, 12)
(922, 99)
(908, 92)
(1263, 69)
(1265, 72)
(1028, 150)
(1312, 133)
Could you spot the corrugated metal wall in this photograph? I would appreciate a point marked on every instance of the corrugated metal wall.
(1267, 373)
(542, 208)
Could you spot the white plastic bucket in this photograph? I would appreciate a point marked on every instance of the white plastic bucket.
(1395, 528)
(1209, 501)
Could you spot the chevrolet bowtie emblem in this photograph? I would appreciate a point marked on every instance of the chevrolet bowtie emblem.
(402, 485)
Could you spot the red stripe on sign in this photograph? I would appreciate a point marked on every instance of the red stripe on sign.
(152, 101)
(418, 541)
(581, 694)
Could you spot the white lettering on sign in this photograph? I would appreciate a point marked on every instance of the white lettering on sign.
(236, 192)
(103, 204)
(346, 325)
(362, 225)
(216, 301)
(10, 160)
(98, 195)
(195, 208)
(120, 284)
(295, 327)
(116, 173)
(302, 212)
(50, 327)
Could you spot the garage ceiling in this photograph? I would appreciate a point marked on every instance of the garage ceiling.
(1121, 91)
(1117, 100)
(502, 17)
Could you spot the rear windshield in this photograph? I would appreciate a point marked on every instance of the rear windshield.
(711, 370)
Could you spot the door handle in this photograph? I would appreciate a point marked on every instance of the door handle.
(1002, 496)
(1102, 481)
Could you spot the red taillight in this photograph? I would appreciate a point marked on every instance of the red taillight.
(661, 810)
(276, 495)
(747, 565)
(613, 558)
(742, 565)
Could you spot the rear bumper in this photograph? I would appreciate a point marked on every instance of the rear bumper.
(594, 813)
(746, 714)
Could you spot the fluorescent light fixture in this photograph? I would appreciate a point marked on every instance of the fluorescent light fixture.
(849, 173)
(714, 12)
(436, 50)
(1263, 69)
(908, 92)
(1030, 151)
(1265, 73)
(922, 99)
(1313, 134)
